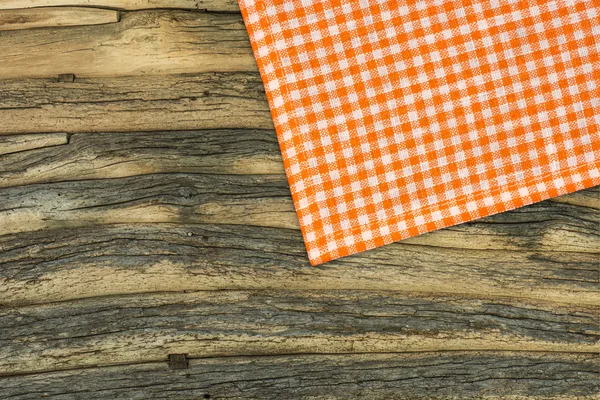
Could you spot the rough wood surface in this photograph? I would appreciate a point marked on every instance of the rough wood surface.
(143, 42)
(261, 200)
(139, 103)
(144, 213)
(144, 328)
(55, 17)
(116, 155)
(453, 375)
(209, 5)
(118, 259)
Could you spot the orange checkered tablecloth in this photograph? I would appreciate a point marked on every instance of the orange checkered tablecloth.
(396, 118)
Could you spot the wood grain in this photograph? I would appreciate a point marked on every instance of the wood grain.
(454, 375)
(115, 155)
(22, 143)
(101, 260)
(137, 103)
(55, 17)
(208, 5)
(144, 212)
(262, 200)
(143, 42)
(144, 328)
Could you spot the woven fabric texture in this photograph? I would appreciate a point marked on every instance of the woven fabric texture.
(396, 118)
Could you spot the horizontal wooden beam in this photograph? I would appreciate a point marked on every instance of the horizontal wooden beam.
(470, 375)
(209, 5)
(101, 260)
(116, 155)
(144, 328)
(143, 42)
(20, 143)
(263, 200)
(135, 103)
(55, 17)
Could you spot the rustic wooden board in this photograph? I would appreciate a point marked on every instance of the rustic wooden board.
(54, 17)
(209, 5)
(454, 375)
(145, 328)
(143, 42)
(114, 155)
(136, 103)
(260, 200)
(61, 264)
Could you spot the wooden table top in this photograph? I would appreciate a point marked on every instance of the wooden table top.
(149, 247)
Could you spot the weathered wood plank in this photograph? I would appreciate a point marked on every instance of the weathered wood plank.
(19, 143)
(209, 5)
(143, 42)
(61, 264)
(136, 103)
(143, 328)
(263, 200)
(115, 155)
(451, 375)
(55, 17)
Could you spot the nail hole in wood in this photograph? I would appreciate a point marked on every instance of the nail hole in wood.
(178, 361)
(70, 78)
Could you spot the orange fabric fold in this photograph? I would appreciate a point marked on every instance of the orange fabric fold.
(396, 118)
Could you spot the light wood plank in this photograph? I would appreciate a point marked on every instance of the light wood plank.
(19, 143)
(141, 103)
(55, 17)
(463, 375)
(209, 5)
(144, 328)
(101, 260)
(143, 42)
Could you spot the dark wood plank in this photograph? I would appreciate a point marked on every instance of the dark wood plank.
(143, 42)
(136, 103)
(453, 375)
(114, 155)
(148, 327)
(60, 264)
(264, 200)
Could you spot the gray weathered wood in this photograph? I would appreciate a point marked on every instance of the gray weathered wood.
(137, 103)
(148, 327)
(113, 155)
(99, 260)
(143, 42)
(261, 200)
(450, 375)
